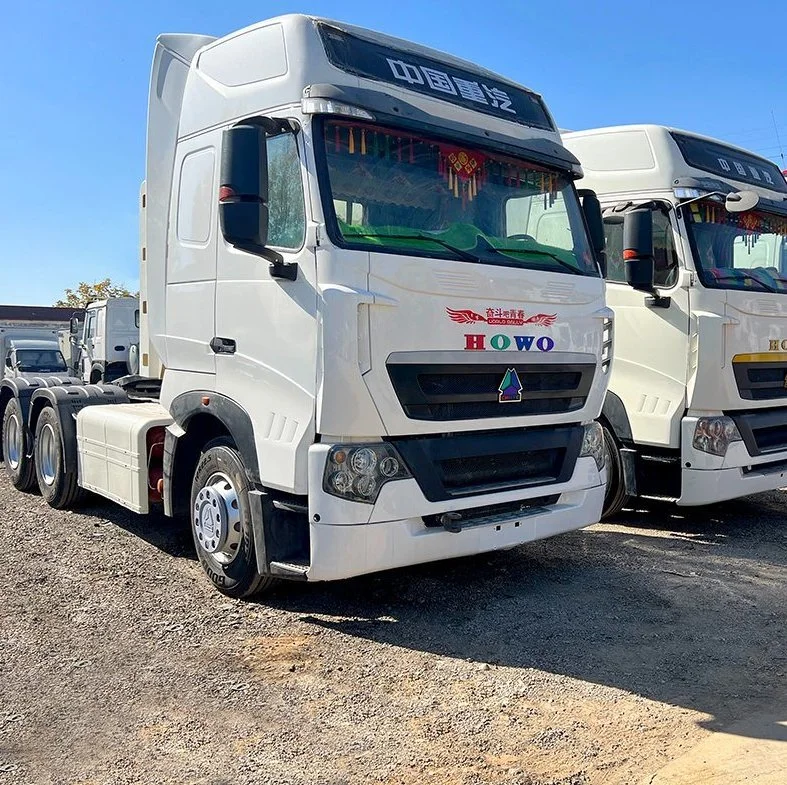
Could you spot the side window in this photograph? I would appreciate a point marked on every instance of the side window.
(90, 325)
(613, 233)
(665, 256)
(286, 212)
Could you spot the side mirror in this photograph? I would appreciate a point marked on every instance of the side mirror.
(638, 249)
(73, 327)
(591, 207)
(741, 201)
(243, 190)
(8, 361)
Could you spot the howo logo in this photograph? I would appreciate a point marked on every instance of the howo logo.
(500, 342)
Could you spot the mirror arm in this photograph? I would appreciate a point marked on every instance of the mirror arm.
(657, 300)
(278, 267)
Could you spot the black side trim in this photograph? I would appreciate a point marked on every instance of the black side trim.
(614, 412)
(234, 418)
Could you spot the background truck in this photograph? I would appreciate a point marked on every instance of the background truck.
(697, 276)
(101, 345)
(372, 320)
(31, 322)
(28, 358)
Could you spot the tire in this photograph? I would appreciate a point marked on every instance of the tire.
(96, 374)
(220, 520)
(57, 483)
(615, 496)
(16, 448)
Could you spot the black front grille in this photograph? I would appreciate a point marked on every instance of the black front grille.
(480, 472)
(462, 464)
(467, 392)
(761, 381)
(762, 431)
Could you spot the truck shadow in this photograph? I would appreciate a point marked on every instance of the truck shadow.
(683, 608)
(169, 535)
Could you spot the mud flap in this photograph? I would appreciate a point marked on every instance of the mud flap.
(628, 459)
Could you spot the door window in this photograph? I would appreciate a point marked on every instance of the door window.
(286, 212)
(665, 256)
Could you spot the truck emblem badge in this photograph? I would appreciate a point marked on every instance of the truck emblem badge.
(502, 316)
(510, 388)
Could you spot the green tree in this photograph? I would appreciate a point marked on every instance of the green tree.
(90, 292)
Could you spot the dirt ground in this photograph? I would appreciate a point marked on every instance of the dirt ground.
(594, 658)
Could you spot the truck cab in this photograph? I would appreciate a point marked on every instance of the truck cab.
(697, 276)
(27, 359)
(105, 338)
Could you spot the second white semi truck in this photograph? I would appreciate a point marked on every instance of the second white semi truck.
(697, 276)
(372, 320)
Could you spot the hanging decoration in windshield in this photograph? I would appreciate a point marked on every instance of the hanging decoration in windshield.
(730, 163)
(431, 77)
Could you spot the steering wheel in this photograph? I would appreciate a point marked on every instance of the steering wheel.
(520, 237)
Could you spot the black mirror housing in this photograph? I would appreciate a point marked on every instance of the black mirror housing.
(591, 207)
(638, 249)
(243, 191)
(8, 362)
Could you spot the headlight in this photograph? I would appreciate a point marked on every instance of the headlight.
(593, 444)
(358, 471)
(715, 434)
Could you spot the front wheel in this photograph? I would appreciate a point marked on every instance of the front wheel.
(221, 522)
(16, 453)
(615, 496)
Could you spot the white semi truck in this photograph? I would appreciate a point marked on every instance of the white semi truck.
(697, 276)
(373, 329)
(102, 344)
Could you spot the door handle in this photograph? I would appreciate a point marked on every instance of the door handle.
(223, 345)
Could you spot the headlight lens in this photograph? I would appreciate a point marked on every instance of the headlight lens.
(715, 434)
(358, 471)
(593, 444)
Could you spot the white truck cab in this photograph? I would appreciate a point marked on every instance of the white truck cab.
(106, 337)
(697, 276)
(373, 330)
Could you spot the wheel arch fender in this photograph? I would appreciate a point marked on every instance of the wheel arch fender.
(199, 416)
(613, 413)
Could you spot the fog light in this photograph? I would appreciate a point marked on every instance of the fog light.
(358, 471)
(714, 435)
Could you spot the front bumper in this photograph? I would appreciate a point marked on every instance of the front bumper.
(348, 539)
(706, 479)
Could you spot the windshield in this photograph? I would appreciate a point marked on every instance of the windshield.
(403, 193)
(40, 360)
(739, 250)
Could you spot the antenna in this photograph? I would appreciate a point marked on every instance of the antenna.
(778, 141)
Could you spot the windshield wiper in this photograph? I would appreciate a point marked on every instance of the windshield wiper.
(539, 252)
(732, 276)
(460, 252)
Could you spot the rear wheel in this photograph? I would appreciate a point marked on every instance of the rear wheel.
(56, 481)
(221, 522)
(16, 453)
(615, 496)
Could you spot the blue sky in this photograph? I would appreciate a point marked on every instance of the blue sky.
(74, 91)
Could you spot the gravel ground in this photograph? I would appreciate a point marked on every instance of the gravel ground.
(589, 659)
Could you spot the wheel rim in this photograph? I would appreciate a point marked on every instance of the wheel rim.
(216, 518)
(48, 454)
(13, 442)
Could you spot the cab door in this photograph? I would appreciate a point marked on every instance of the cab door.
(650, 366)
(88, 343)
